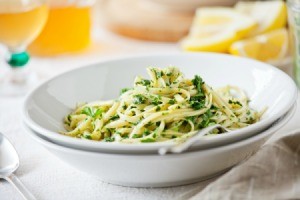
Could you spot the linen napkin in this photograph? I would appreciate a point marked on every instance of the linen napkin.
(272, 173)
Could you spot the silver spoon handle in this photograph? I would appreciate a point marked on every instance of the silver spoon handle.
(25, 193)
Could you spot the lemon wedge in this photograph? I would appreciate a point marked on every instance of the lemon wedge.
(269, 47)
(218, 19)
(215, 29)
(269, 15)
(212, 43)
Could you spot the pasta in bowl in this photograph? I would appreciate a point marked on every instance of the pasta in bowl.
(46, 107)
(165, 107)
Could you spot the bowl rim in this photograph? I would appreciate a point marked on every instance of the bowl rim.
(271, 130)
(51, 134)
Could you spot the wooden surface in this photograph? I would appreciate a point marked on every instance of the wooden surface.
(142, 20)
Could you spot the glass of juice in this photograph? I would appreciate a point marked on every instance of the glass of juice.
(21, 21)
(294, 25)
(67, 29)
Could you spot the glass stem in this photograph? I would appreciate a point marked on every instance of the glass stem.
(19, 59)
(17, 63)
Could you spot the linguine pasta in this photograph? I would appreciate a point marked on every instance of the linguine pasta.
(168, 106)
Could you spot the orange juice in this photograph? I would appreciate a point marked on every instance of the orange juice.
(18, 28)
(67, 30)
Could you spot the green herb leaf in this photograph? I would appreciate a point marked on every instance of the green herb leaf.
(235, 102)
(146, 133)
(97, 113)
(139, 99)
(116, 116)
(109, 139)
(197, 102)
(147, 140)
(87, 111)
(125, 90)
(136, 136)
(87, 136)
(198, 83)
(172, 101)
(145, 82)
(158, 108)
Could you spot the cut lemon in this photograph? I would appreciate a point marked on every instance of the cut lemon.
(215, 29)
(269, 15)
(270, 47)
(220, 19)
(212, 43)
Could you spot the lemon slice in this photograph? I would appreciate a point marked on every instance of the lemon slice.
(215, 29)
(211, 43)
(220, 19)
(269, 47)
(269, 15)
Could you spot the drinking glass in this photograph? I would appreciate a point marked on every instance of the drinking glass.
(67, 30)
(294, 25)
(20, 23)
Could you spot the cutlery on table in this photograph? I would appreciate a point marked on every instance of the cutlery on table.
(181, 147)
(9, 163)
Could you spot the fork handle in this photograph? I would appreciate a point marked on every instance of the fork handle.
(25, 193)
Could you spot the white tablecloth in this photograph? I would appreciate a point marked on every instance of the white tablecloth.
(49, 178)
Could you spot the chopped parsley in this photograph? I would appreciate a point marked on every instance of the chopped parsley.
(87, 136)
(88, 111)
(198, 83)
(206, 119)
(109, 139)
(235, 102)
(136, 136)
(147, 140)
(139, 99)
(156, 100)
(116, 116)
(172, 101)
(125, 90)
(198, 101)
(146, 132)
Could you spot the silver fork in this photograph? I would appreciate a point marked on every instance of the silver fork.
(181, 147)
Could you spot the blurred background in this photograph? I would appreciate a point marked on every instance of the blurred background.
(79, 32)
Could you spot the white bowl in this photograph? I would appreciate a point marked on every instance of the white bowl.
(46, 106)
(160, 171)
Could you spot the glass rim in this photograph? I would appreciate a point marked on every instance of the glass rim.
(293, 4)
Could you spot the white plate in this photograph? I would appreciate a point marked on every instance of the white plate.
(46, 106)
(160, 171)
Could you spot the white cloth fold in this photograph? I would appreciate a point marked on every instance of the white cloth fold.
(50, 179)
